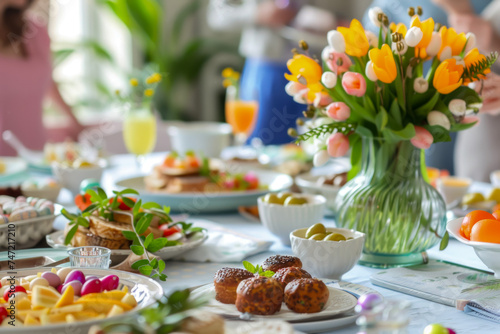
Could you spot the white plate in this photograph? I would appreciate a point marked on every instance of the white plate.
(13, 167)
(56, 240)
(144, 289)
(210, 202)
(338, 302)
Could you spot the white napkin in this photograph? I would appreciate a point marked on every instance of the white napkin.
(223, 245)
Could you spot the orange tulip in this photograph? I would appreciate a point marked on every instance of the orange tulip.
(306, 71)
(427, 28)
(471, 58)
(451, 42)
(448, 76)
(356, 42)
(383, 64)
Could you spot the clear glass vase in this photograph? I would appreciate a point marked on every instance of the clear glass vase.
(389, 200)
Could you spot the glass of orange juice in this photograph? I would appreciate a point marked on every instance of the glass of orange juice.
(240, 114)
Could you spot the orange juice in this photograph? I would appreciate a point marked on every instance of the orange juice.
(455, 182)
(241, 115)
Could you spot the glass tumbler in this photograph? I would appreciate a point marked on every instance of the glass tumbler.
(90, 257)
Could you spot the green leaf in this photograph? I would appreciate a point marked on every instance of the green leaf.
(151, 205)
(82, 221)
(381, 119)
(181, 17)
(154, 263)
(196, 229)
(178, 297)
(138, 250)
(70, 235)
(161, 265)
(363, 131)
(356, 152)
(444, 241)
(406, 134)
(250, 267)
(146, 14)
(425, 109)
(68, 215)
(465, 93)
(142, 225)
(158, 244)
(102, 193)
(128, 202)
(439, 133)
(268, 273)
(395, 113)
(129, 191)
(148, 240)
(461, 126)
(139, 263)
(129, 235)
(146, 269)
(94, 197)
(91, 207)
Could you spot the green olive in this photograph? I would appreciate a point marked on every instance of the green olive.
(335, 237)
(283, 196)
(318, 236)
(315, 229)
(292, 200)
(272, 199)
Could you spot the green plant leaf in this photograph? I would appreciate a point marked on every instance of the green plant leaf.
(146, 269)
(151, 205)
(139, 263)
(154, 263)
(158, 244)
(381, 119)
(439, 133)
(70, 235)
(142, 225)
(395, 113)
(68, 215)
(137, 207)
(406, 134)
(146, 14)
(129, 191)
(250, 267)
(161, 265)
(102, 193)
(427, 107)
(129, 235)
(138, 250)
(128, 202)
(82, 221)
(189, 9)
(94, 197)
(444, 241)
(268, 273)
(461, 126)
(91, 207)
(148, 240)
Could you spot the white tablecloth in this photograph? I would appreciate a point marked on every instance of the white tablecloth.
(422, 312)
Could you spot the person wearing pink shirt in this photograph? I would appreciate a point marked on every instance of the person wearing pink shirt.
(26, 77)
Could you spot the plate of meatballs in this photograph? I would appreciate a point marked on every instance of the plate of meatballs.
(283, 291)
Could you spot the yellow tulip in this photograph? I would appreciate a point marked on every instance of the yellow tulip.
(427, 28)
(384, 64)
(451, 42)
(356, 42)
(471, 58)
(448, 76)
(400, 28)
(227, 72)
(305, 71)
(134, 82)
(149, 92)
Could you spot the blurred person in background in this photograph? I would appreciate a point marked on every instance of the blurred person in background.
(477, 149)
(440, 155)
(26, 77)
(270, 29)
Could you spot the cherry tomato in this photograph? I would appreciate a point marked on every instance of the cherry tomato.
(7, 292)
(82, 201)
(3, 314)
(122, 205)
(168, 231)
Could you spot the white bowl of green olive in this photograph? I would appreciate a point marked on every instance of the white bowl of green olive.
(327, 252)
(284, 212)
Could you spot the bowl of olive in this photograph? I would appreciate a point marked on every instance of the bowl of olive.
(284, 212)
(327, 252)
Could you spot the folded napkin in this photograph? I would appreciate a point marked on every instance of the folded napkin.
(223, 245)
(483, 311)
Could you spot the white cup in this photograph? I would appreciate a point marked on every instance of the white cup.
(204, 138)
(453, 188)
(495, 178)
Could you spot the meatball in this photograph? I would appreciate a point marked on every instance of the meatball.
(259, 295)
(276, 262)
(286, 275)
(226, 281)
(306, 295)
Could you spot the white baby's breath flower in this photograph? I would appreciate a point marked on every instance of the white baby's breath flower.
(413, 36)
(336, 41)
(457, 107)
(320, 158)
(438, 118)
(370, 72)
(435, 44)
(373, 14)
(329, 79)
(420, 85)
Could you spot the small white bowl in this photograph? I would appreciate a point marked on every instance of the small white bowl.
(328, 259)
(51, 193)
(281, 220)
(453, 188)
(495, 178)
(488, 252)
(71, 178)
(312, 184)
(207, 138)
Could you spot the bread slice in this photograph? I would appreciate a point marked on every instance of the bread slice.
(83, 237)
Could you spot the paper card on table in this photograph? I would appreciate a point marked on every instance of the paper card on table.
(466, 289)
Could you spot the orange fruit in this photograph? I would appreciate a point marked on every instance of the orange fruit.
(496, 214)
(471, 219)
(486, 230)
(496, 207)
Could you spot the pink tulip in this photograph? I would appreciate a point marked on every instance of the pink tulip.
(470, 119)
(337, 145)
(423, 138)
(322, 100)
(339, 111)
(354, 84)
(338, 62)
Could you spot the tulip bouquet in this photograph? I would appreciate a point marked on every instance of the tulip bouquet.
(375, 86)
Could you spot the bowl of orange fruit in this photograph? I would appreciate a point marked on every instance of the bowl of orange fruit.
(480, 230)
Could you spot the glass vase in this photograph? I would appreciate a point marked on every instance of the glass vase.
(401, 214)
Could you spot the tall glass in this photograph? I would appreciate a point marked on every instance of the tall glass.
(139, 132)
(241, 115)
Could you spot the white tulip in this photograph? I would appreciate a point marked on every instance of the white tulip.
(373, 14)
(329, 79)
(320, 158)
(414, 36)
(445, 54)
(401, 43)
(420, 85)
(300, 98)
(435, 44)
(370, 72)
(459, 60)
(372, 39)
(293, 88)
(325, 54)
(471, 42)
(438, 118)
(478, 105)
(409, 72)
(336, 41)
(457, 107)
